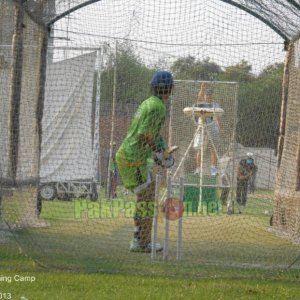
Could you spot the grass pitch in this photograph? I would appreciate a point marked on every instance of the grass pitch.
(85, 236)
(71, 286)
(84, 255)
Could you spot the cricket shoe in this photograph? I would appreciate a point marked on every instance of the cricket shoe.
(136, 247)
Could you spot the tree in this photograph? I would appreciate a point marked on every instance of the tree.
(188, 68)
(272, 71)
(133, 77)
(259, 105)
(259, 97)
(240, 72)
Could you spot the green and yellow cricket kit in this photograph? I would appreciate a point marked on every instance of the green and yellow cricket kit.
(132, 157)
(135, 164)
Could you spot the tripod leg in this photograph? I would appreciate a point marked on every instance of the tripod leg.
(181, 162)
(187, 151)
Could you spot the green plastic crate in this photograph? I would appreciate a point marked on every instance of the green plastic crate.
(210, 202)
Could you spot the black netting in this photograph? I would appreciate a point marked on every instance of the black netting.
(80, 128)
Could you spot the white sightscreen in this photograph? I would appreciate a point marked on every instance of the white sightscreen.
(67, 135)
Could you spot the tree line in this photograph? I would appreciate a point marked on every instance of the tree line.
(259, 95)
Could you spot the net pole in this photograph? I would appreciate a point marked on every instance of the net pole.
(40, 107)
(41, 97)
(283, 109)
(15, 92)
(167, 224)
(169, 172)
(112, 124)
(170, 122)
(96, 146)
(179, 231)
(201, 125)
(155, 219)
(230, 205)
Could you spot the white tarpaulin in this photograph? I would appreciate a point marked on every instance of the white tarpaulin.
(67, 120)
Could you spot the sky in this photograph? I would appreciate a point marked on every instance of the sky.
(163, 31)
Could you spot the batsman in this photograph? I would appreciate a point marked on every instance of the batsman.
(142, 144)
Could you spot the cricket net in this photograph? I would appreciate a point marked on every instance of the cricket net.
(72, 77)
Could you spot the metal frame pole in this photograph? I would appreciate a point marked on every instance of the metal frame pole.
(96, 141)
(179, 230)
(201, 125)
(109, 194)
(155, 218)
(167, 224)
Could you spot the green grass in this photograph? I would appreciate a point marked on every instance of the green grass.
(53, 284)
(83, 254)
(95, 236)
(69, 286)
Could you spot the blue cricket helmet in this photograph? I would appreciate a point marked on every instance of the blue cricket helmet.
(162, 82)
